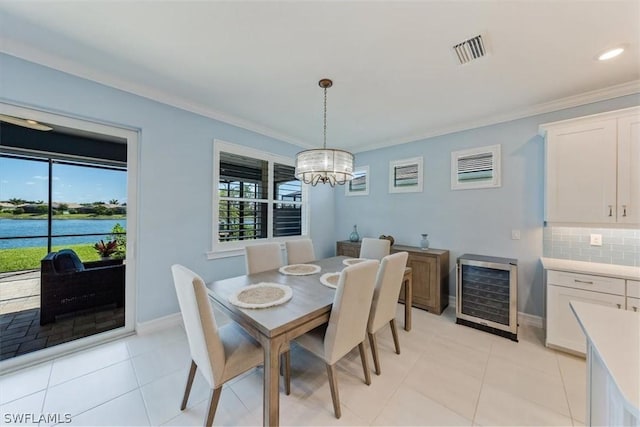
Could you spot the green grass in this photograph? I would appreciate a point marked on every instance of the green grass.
(29, 258)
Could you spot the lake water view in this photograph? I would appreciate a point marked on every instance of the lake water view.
(38, 227)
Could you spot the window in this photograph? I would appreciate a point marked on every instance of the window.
(257, 198)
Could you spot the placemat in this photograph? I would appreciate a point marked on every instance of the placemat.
(300, 269)
(351, 261)
(261, 295)
(330, 279)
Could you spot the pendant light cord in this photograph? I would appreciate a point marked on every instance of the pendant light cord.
(325, 119)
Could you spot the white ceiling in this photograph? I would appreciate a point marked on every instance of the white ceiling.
(396, 78)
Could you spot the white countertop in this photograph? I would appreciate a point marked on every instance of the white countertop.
(615, 337)
(609, 270)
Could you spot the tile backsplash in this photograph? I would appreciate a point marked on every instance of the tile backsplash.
(619, 246)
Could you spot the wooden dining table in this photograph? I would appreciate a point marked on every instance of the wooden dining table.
(275, 327)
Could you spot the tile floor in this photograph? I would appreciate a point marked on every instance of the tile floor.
(446, 375)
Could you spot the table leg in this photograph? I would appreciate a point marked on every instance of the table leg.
(271, 392)
(408, 299)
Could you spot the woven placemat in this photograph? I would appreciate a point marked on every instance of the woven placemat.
(261, 295)
(351, 261)
(300, 269)
(330, 279)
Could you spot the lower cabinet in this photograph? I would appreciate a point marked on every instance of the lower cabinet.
(562, 329)
(430, 269)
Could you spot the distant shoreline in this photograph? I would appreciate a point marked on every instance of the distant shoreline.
(5, 215)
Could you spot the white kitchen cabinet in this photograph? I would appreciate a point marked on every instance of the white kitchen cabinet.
(593, 169)
(562, 328)
(633, 295)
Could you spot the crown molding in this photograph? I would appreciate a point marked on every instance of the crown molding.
(28, 53)
(41, 57)
(623, 89)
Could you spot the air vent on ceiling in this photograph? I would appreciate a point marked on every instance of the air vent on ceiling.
(470, 49)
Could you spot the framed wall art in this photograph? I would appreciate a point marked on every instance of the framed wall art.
(405, 176)
(359, 185)
(476, 168)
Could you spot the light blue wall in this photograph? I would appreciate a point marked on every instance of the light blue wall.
(468, 221)
(175, 172)
(175, 191)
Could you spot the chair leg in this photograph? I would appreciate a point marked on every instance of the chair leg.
(187, 390)
(213, 405)
(333, 384)
(394, 332)
(286, 361)
(374, 352)
(365, 365)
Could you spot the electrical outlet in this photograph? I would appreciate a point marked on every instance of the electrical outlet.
(596, 240)
(515, 234)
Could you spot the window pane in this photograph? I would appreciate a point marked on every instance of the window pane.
(241, 220)
(243, 177)
(24, 189)
(287, 219)
(287, 188)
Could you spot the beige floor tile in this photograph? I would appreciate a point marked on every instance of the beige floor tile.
(408, 407)
(499, 408)
(574, 376)
(529, 384)
(25, 411)
(527, 354)
(449, 387)
(230, 412)
(457, 356)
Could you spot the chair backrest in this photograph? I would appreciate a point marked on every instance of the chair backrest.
(385, 295)
(350, 312)
(263, 257)
(200, 324)
(300, 251)
(374, 248)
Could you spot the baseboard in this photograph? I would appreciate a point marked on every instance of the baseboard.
(523, 318)
(159, 323)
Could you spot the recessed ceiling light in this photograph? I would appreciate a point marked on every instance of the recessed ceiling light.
(611, 53)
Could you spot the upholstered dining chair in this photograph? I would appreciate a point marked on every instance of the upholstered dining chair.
(219, 353)
(347, 325)
(300, 251)
(262, 257)
(371, 248)
(385, 301)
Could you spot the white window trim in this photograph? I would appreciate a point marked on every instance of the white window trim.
(236, 248)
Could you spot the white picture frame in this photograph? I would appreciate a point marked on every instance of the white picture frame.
(476, 168)
(359, 185)
(405, 176)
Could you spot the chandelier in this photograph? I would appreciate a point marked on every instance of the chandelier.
(325, 165)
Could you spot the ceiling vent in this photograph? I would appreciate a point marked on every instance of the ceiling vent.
(470, 49)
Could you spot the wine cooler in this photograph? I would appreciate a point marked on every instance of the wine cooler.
(487, 294)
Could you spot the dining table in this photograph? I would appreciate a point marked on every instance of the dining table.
(275, 327)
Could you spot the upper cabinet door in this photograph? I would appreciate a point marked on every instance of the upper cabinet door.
(581, 172)
(629, 169)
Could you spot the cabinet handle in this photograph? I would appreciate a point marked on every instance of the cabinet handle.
(586, 282)
(619, 305)
(624, 210)
(635, 308)
(610, 210)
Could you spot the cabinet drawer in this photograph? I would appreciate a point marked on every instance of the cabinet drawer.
(633, 288)
(633, 304)
(587, 282)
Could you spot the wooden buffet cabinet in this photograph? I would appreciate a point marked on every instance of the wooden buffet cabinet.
(430, 273)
